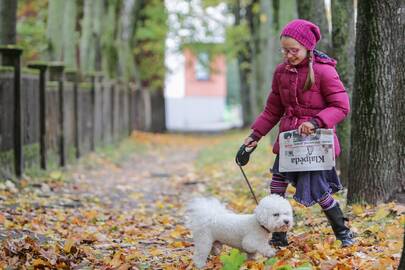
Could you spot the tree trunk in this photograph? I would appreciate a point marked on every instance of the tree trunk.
(253, 18)
(110, 40)
(8, 22)
(243, 71)
(400, 102)
(126, 40)
(87, 55)
(343, 51)
(284, 11)
(314, 11)
(266, 53)
(374, 151)
(158, 123)
(55, 26)
(101, 21)
(70, 35)
(149, 55)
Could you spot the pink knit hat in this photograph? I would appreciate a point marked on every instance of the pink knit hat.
(305, 32)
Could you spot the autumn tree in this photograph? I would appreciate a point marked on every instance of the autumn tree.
(375, 143)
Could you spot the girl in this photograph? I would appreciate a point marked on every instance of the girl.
(306, 94)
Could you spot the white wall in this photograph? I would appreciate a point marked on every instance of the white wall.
(196, 114)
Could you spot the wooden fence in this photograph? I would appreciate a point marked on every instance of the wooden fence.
(51, 116)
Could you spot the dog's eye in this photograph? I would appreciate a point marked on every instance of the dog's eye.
(276, 214)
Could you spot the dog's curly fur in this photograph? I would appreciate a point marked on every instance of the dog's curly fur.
(210, 222)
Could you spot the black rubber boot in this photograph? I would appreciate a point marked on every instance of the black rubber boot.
(279, 239)
(337, 221)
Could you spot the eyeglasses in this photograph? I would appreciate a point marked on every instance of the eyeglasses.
(292, 51)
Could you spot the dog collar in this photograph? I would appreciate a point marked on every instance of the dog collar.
(264, 228)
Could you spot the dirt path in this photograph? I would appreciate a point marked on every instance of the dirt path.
(151, 176)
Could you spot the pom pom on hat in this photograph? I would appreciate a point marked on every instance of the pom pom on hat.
(305, 32)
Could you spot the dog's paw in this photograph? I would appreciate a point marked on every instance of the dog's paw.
(269, 252)
(199, 263)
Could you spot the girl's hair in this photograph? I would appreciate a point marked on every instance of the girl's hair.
(311, 76)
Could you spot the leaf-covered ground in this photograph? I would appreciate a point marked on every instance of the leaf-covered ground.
(123, 208)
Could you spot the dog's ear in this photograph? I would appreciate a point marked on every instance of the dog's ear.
(261, 214)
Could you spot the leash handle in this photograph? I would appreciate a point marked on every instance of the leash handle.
(248, 183)
(243, 154)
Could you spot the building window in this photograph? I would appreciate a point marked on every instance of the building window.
(202, 68)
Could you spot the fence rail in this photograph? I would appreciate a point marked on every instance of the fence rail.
(49, 115)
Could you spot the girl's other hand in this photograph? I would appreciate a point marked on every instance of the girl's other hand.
(306, 128)
(249, 142)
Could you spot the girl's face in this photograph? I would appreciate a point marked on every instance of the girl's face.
(292, 50)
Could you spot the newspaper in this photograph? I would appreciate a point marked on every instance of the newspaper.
(306, 153)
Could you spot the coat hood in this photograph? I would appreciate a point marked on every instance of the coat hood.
(323, 58)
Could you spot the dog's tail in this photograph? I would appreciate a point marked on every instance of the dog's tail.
(202, 211)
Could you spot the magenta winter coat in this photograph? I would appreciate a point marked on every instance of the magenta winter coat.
(326, 102)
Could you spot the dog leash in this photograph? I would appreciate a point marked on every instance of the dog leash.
(242, 158)
(248, 183)
(253, 194)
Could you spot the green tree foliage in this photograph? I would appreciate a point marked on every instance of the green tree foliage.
(31, 28)
(150, 44)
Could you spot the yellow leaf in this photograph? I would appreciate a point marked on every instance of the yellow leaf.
(175, 234)
(180, 244)
(155, 251)
(91, 214)
(380, 214)
(165, 220)
(8, 224)
(67, 247)
(159, 205)
(358, 209)
(134, 255)
(374, 228)
(55, 175)
(117, 260)
(40, 262)
(402, 220)
(125, 266)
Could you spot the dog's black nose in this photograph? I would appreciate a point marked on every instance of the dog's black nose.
(286, 222)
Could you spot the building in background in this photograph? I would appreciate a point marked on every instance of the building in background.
(196, 82)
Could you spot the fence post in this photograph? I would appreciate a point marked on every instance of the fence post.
(93, 111)
(72, 76)
(56, 74)
(11, 56)
(130, 125)
(100, 93)
(112, 107)
(42, 67)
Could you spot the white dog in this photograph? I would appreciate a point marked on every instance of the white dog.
(210, 222)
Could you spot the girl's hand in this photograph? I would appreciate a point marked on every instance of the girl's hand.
(249, 142)
(306, 128)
